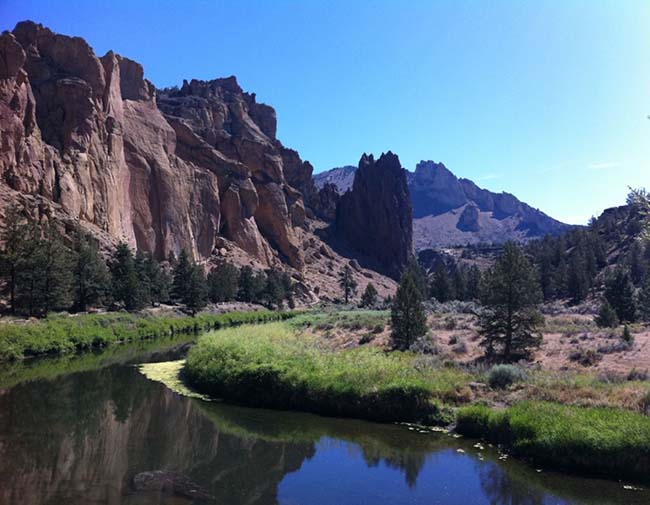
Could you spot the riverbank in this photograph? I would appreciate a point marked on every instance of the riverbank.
(282, 366)
(64, 333)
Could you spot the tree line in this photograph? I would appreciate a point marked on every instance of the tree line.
(43, 271)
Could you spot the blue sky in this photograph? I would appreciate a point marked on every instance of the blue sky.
(547, 100)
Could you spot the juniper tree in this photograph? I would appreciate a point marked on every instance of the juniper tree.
(369, 296)
(619, 292)
(159, 280)
(90, 279)
(181, 282)
(125, 284)
(274, 293)
(441, 288)
(606, 317)
(223, 283)
(419, 276)
(408, 319)
(510, 317)
(52, 266)
(347, 283)
(644, 300)
(196, 294)
(12, 234)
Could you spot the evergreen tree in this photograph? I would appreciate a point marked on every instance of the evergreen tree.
(459, 284)
(473, 283)
(90, 276)
(644, 300)
(196, 293)
(619, 292)
(510, 317)
(441, 288)
(246, 285)
(637, 263)
(347, 283)
(577, 279)
(408, 319)
(53, 267)
(606, 317)
(144, 281)
(125, 284)
(182, 272)
(223, 283)
(419, 276)
(274, 289)
(159, 280)
(258, 286)
(12, 236)
(289, 289)
(369, 296)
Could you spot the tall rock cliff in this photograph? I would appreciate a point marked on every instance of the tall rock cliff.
(89, 140)
(374, 216)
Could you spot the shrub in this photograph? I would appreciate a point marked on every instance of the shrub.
(606, 317)
(502, 376)
(627, 336)
(460, 348)
(586, 357)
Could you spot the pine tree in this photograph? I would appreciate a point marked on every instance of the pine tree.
(473, 283)
(459, 284)
(408, 319)
(619, 292)
(90, 276)
(369, 296)
(125, 284)
(441, 288)
(644, 300)
(347, 283)
(246, 291)
(637, 263)
(274, 289)
(144, 281)
(419, 276)
(223, 283)
(196, 294)
(289, 289)
(577, 279)
(510, 296)
(53, 267)
(606, 317)
(12, 236)
(181, 283)
(159, 280)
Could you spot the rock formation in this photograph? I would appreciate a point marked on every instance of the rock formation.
(89, 140)
(374, 216)
(449, 211)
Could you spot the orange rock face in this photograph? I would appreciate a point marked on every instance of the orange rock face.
(91, 140)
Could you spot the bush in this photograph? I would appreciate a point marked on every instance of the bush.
(627, 336)
(503, 376)
(607, 317)
(586, 357)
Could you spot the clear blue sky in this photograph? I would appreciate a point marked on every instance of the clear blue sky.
(545, 99)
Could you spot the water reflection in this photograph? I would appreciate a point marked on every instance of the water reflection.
(80, 438)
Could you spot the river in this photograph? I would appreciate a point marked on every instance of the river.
(76, 430)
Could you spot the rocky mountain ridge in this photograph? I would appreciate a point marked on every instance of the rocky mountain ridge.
(451, 211)
(88, 142)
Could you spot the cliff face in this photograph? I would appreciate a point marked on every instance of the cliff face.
(449, 211)
(87, 139)
(374, 216)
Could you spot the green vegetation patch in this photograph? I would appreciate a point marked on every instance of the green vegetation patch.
(606, 442)
(61, 334)
(272, 366)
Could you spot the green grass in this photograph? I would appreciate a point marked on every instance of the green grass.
(273, 366)
(606, 442)
(64, 334)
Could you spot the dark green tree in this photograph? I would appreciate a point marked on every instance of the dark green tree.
(459, 283)
(159, 280)
(441, 287)
(637, 263)
(619, 292)
(53, 267)
(196, 294)
(473, 283)
(577, 279)
(274, 293)
(408, 319)
(125, 284)
(90, 280)
(644, 300)
(181, 275)
(419, 276)
(369, 296)
(510, 317)
(247, 291)
(223, 283)
(606, 317)
(347, 283)
(12, 237)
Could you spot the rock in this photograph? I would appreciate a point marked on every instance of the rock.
(468, 220)
(162, 170)
(170, 483)
(355, 265)
(375, 217)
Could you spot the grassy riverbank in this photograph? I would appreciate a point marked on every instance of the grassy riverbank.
(64, 334)
(611, 443)
(271, 366)
(282, 367)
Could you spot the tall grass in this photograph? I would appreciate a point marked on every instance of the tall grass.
(605, 442)
(272, 366)
(61, 334)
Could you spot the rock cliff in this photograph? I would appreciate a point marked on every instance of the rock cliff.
(374, 216)
(88, 139)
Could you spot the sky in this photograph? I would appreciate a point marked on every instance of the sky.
(545, 99)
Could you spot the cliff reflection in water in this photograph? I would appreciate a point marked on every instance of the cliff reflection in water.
(80, 438)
